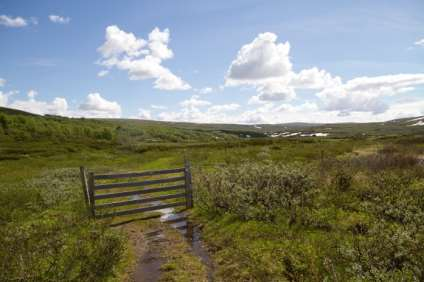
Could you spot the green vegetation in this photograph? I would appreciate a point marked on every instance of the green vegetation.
(273, 209)
(351, 218)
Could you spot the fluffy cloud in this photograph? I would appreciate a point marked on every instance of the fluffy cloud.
(98, 107)
(194, 102)
(32, 93)
(265, 65)
(120, 42)
(158, 44)
(144, 114)
(364, 94)
(2, 82)
(59, 19)
(12, 22)
(314, 78)
(269, 113)
(223, 108)
(95, 106)
(420, 42)
(102, 73)
(196, 110)
(275, 91)
(261, 60)
(142, 59)
(58, 106)
(205, 90)
(158, 107)
(3, 99)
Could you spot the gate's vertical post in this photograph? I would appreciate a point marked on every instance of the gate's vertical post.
(91, 192)
(188, 184)
(85, 186)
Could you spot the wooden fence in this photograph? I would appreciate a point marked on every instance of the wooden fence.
(98, 194)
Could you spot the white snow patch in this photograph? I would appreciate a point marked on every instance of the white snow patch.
(419, 123)
(317, 134)
(415, 119)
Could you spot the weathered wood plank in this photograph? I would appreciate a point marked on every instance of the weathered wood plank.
(138, 210)
(138, 192)
(140, 183)
(138, 174)
(140, 201)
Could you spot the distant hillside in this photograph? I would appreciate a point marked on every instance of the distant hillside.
(21, 126)
(15, 112)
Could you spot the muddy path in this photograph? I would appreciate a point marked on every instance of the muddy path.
(163, 243)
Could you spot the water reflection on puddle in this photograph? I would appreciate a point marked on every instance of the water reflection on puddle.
(192, 233)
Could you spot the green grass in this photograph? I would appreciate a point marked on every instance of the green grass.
(361, 221)
(43, 218)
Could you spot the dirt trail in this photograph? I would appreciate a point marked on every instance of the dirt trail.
(153, 247)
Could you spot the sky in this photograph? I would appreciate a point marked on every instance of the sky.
(249, 61)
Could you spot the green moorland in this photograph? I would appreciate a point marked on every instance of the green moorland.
(348, 207)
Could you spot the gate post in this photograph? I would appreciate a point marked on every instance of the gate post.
(188, 184)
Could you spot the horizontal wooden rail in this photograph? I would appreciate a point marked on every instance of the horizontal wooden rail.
(138, 192)
(136, 184)
(133, 211)
(140, 201)
(177, 180)
(138, 174)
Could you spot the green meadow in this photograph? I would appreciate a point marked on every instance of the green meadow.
(347, 207)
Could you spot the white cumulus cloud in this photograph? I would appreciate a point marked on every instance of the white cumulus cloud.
(58, 106)
(141, 58)
(59, 19)
(12, 22)
(265, 65)
(3, 99)
(260, 60)
(158, 107)
(97, 106)
(102, 73)
(144, 114)
(364, 94)
(205, 90)
(420, 42)
(194, 102)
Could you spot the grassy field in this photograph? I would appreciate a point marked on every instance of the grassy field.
(347, 207)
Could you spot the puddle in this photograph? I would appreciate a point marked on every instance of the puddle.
(149, 265)
(148, 268)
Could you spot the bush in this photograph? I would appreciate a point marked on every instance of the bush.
(253, 191)
(387, 253)
(343, 181)
(45, 234)
(389, 157)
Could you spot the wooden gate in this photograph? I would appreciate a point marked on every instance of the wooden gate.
(100, 189)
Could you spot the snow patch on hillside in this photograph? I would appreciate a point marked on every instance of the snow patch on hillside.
(290, 134)
(419, 123)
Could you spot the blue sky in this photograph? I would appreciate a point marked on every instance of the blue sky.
(214, 61)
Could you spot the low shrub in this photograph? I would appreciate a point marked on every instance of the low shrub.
(58, 247)
(255, 191)
(46, 235)
(386, 253)
(343, 180)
